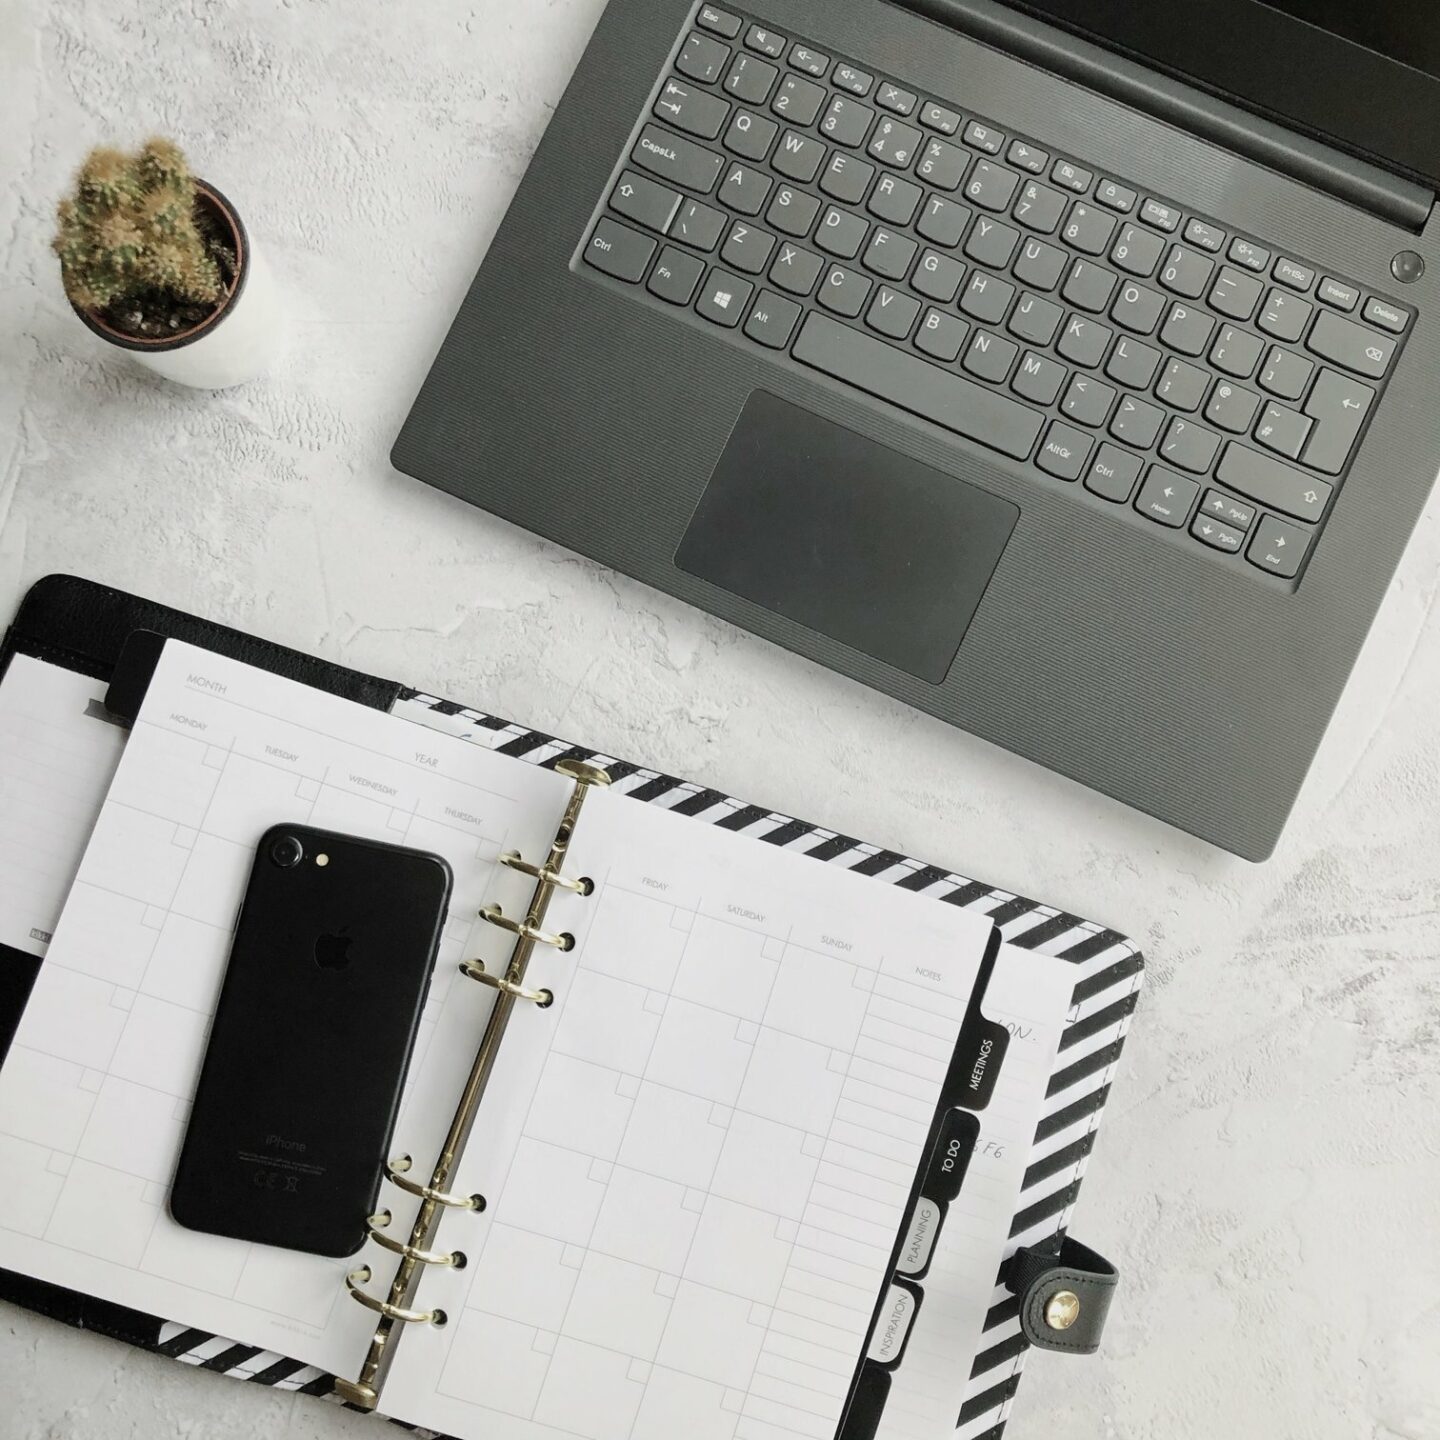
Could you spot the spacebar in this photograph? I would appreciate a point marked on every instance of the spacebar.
(914, 385)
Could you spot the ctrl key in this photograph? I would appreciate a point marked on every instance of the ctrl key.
(620, 251)
(1279, 547)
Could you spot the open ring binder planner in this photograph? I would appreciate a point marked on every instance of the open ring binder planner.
(397, 1309)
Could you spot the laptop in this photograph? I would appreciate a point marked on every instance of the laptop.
(1064, 369)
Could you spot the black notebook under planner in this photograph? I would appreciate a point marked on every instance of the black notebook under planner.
(718, 1123)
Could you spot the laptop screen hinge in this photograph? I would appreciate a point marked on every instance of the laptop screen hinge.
(1311, 162)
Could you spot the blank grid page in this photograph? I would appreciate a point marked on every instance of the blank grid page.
(698, 1159)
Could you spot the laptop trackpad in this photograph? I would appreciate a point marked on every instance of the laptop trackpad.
(847, 537)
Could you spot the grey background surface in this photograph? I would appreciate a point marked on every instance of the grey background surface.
(1269, 1172)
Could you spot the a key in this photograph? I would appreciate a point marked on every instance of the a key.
(1088, 229)
(1166, 497)
(1356, 347)
(1250, 255)
(846, 178)
(937, 117)
(1389, 317)
(1113, 473)
(857, 82)
(1085, 341)
(1137, 251)
(722, 22)
(1115, 196)
(1236, 352)
(1235, 294)
(1283, 430)
(1285, 373)
(1205, 235)
(745, 190)
(1232, 408)
(1025, 156)
(1090, 286)
(847, 122)
(1182, 386)
(980, 136)
(895, 200)
(675, 276)
(1088, 401)
(844, 291)
(793, 212)
(1190, 446)
(1338, 405)
(1137, 422)
(893, 98)
(684, 164)
(893, 313)
(894, 144)
(724, 299)
(1038, 378)
(1161, 216)
(751, 79)
(747, 249)
(1071, 176)
(991, 243)
(1228, 510)
(941, 335)
(1040, 265)
(991, 187)
(938, 277)
(987, 297)
(1035, 320)
(1279, 548)
(618, 250)
(889, 254)
(691, 110)
(647, 203)
(1132, 364)
(772, 320)
(1215, 534)
(812, 62)
(798, 157)
(942, 165)
(698, 225)
(798, 100)
(1039, 207)
(1272, 482)
(795, 270)
(1187, 330)
(990, 357)
(841, 233)
(750, 136)
(944, 221)
(1186, 272)
(1293, 274)
(1338, 294)
(1285, 316)
(765, 42)
(703, 59)
(1138, 308)
(1064, 452)
(939, 396)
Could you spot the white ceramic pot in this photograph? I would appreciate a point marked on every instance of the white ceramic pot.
(236, 343)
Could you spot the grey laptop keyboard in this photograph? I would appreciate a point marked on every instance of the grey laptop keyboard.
(1143, 355)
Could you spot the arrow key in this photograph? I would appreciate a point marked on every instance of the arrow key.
(1279, 547)
(1226, 510)
(1167, 498)
(1216, 534)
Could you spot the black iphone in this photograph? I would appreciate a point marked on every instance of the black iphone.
(301, 1081)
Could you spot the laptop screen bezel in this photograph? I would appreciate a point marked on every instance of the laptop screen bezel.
(1325, 86)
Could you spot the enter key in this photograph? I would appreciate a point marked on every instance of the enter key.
(1338, 406)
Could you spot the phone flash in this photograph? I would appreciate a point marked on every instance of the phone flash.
(322, 859)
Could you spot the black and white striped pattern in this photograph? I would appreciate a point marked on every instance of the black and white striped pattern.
(1108, 975)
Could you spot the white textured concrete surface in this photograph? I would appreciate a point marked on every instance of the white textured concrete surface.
(1269, 1175)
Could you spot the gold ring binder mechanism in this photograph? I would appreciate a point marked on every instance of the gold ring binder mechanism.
(396, 1309)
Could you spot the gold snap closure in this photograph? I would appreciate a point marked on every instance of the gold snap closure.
(1062, 1310)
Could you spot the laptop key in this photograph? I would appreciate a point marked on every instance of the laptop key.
(938, 277)
(796, 270)
(812, 62)
(644, 201)
(846, 178)
(1138, 308)
(1338, 294)
(1187, 330)
(990, 357)
(1088, 401)
(798, 100)
(1237, 352)
(943, 166)
(798, 157)
(895, 200)
(703, 59)
(1186, 272)
(793, 212)
(675, 276)
(1228, 510)
(1089, 230)
(1283, 431)
(1166, 497)
(1115, 196)
(857, 82)
(1285, 373)
(772, 320)
(751, 79)
(1215, 534)
(991, 243)
(747, 248)
(894, 144)
(1035, 320)
(1278, 547)
(846, 122)
(889, 254)
(938, 117)
(1039, 207)
(1137, 422)
(841, 233)
(1356, 347)
(992, 187)
(619, 251)
(1039, 264)
(945, 399)
(1071, 176)
(746, 190)
(980, 136)
(1285, 316)
(1389, 317)
(1272, 482)
(1190, 446)
(694, 111)
(1338, 405)
(1232, 408)
(750, 136)
(1085, 341)
(683, 163)
(1206, 236)
(1138, 251)
(1293, 274)
(944, 221)
(941, 335)
(1250, 255)
(1064, 452)
(893, 313)
(893, 98)
(724, 299)
(1038, 378)
(1161, 216)
(1113, 473)
(845, 292)
(699, 225)
(1182, 386)
(1027, 157)
(1090, 286)
(766, 42)
(722, 22)
(987, 297)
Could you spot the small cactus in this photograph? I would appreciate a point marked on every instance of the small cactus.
(129, 236)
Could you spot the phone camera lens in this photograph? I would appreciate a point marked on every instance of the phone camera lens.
(287, 852)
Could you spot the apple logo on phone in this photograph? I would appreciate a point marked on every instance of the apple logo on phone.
(332, 952)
